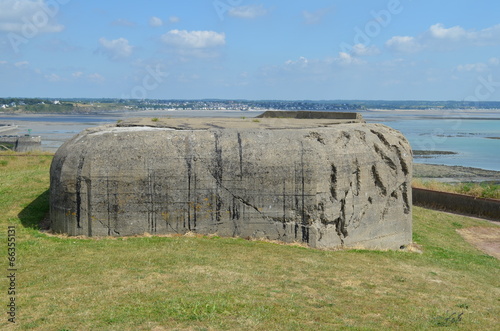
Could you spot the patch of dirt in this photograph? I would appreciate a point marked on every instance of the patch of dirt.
(484, 239)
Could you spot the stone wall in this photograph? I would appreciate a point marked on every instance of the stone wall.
(457, 203)
(305, 114)
(21, 143)
(312, 181)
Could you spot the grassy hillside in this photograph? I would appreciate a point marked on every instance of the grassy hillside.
(212, 283)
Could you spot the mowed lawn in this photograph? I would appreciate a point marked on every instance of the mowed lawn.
(213, 283)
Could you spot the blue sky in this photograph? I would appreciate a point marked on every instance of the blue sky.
(243, 49)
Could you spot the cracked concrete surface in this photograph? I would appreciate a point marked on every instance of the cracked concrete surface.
(324, 182)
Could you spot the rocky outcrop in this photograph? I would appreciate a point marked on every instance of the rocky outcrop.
(319, 182)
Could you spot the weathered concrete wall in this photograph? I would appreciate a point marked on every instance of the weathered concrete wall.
(305, 114)
(457, 203)
(7, 127)
(21, 143)
(327, 185)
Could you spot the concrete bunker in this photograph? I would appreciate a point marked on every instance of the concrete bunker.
(323, 181)
(21, 144)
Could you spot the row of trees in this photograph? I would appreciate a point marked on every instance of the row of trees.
(21, 101)
(50, 108)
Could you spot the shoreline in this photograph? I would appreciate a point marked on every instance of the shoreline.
(454, 174)
(55, 131)
(98, 111)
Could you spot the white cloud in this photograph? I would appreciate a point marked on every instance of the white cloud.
(53, 78)
(21, 64)
(315, 17)
(155, 22)
(302, 62)
(488, 37)
(405, 44)
(440, 38)
(302, 68)
(362, 50)
(248, 12)
(94, 78)
(478, 67)
(27, 16)
(3, 62)
(494, 61)
(194, 39)
(97, 78)
(319, 66)
(347, 59)
(116, 49)
(456, 33)
(312, 73)
(173, 19)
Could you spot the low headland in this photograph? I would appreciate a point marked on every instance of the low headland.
(454, 173)
(457, 179)
(86, 105)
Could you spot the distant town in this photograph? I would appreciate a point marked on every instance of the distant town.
(78, 105)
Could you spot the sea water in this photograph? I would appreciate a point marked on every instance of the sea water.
(464, 133)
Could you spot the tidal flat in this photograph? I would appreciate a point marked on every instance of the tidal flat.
(445, 173)
(454, 138)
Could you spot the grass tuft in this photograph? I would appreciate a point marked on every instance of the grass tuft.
(447, 320)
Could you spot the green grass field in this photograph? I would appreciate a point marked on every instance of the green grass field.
(212, 283)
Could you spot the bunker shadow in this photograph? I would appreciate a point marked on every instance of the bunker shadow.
(36, 214)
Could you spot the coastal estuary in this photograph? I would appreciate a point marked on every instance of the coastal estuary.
(452, 138)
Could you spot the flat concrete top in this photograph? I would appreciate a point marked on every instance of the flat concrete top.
(233, 123)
